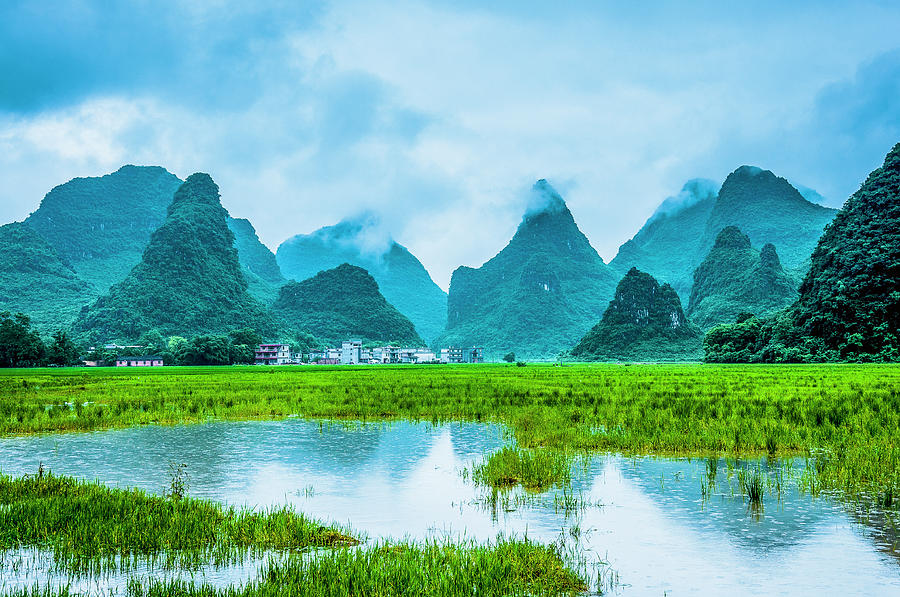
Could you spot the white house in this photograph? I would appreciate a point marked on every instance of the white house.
(351, 352)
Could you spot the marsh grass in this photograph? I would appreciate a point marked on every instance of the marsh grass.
(507, 567)
(752, 483)
(90, 527)
(844, 418)
(535, 470)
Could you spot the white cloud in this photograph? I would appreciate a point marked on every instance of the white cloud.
(440, 118)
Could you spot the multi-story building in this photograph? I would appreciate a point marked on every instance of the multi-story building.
(455, 354)
(351, 352)
(273, 354)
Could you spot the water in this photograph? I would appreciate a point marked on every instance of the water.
(655, 530)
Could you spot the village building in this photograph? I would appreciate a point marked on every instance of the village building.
(273, 354)
(351, 352)
(142, 361)
(455, 354)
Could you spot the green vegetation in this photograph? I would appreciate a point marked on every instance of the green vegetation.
(402, 279)
(88, 525)
(735, 278)
(768, 209)
(764, 206)
(20, 346)
(102, 225)
(666, 246)
(849, 304)
(91, 528)
(535, 470)
(443, 569)
(440, 569)
(643, 321)
(189, 280)
(36, 280)
(846, 418)
(344, 303)
(539, 295)
(257, 262)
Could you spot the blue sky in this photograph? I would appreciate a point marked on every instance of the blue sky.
(438, 116)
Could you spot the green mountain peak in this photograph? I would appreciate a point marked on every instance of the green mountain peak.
(539, 294)
(363, 242)
(644, 320)
(735, 278)
(101, 225)
(189, 279)
(344, 303)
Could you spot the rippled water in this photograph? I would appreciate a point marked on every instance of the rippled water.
(656, 531)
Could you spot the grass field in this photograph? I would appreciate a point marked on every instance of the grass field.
(93, 529)
(845, 417)
(89, 527)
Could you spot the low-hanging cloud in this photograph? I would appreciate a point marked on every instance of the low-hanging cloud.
(693, 192)
(438, 116)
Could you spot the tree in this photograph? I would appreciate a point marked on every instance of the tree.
(19, 345)
(178, 348)
(208, 350)
(63, 351)
(510, 357)
(242, 354)
(154, 341)
(246, 336)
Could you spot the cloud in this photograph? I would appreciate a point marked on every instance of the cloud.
(693, 192)
(438, 116)
(211, 54)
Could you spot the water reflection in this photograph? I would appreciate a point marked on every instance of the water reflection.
(403, 480)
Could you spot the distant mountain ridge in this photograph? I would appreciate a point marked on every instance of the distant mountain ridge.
(258, 263)
(666, 246)
(101, 225)
(767, 208)
(735, 278)
(189, 280)
(538, 295)
(402, 278)
(37, 281)
(341, 304)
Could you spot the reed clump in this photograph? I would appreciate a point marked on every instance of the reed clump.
(535, 470)
(436, 569)
(88, 526)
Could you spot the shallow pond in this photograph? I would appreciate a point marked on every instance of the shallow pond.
(643, 524)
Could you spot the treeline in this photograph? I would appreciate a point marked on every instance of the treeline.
(22, 346)
(848, 308)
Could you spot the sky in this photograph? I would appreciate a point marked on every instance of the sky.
(437, 117)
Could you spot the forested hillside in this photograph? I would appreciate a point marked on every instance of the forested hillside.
(644, 321)
(765, 207)
(402, 279)
(257, 261)
(101, 225)
(344, 303)
(849, 303)
(188, 282)
(37, 281)
(735, 278)
(538, 295)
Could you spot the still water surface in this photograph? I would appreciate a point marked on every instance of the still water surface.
(654, 530)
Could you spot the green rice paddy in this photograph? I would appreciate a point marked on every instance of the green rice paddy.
(846, 418)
